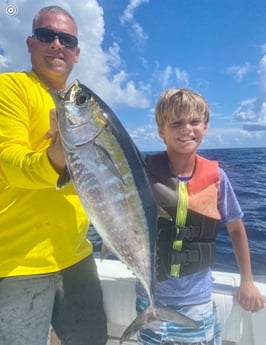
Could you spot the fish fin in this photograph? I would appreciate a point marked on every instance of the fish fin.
(167, 314)
(140, 156)
(107, 161)
(140, 322)
(64, 178)
(150, 314)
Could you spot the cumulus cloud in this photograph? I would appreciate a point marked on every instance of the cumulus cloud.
(247, 110)
(225, 137)
(252, 112)
(147, 137)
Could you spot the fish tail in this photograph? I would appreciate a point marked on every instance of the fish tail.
(152, 313)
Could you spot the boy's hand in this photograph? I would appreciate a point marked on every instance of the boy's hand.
(249, 297)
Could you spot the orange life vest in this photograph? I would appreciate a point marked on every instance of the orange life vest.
(188, 217)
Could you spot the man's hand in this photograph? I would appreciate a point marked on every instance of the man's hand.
(55, 151)
(53, 125)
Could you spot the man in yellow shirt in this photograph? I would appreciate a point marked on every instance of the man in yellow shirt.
(47, 271)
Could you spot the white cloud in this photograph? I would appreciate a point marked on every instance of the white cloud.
(4, 62)
(252, 112)
(128, 15)
(232, 137)
(181, 77)
(239, 72)
(262, 77)
(147, 138)
(247, 110)
(136, 31)
(166, 76)
(171, 77)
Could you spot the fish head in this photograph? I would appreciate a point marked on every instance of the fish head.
(80, 119)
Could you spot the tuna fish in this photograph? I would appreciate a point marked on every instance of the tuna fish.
(108, 173)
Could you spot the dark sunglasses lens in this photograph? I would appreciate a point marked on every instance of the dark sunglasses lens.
(68, 40)
(44, 35)
(47, 35)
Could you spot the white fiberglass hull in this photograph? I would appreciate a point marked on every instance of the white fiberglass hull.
(238, 326)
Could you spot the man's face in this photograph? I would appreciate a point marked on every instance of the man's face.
(53, 61)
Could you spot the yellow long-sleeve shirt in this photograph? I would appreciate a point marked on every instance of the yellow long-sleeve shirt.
(42, 229)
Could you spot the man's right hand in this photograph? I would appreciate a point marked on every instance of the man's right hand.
(55, 151)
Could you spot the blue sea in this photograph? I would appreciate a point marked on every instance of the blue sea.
(246, 169)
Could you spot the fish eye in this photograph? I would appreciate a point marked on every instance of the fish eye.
(81, 98)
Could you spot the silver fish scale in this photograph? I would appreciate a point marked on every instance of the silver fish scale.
(112, 203)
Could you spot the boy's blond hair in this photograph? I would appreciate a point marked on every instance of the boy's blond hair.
(181, 104)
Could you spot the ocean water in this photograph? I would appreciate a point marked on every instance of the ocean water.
(246, 169)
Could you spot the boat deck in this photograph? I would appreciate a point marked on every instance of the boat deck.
(239, 327)
(55, 341)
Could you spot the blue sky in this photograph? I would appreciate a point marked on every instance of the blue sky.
(132, 50)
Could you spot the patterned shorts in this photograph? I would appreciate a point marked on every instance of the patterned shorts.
(167, 333)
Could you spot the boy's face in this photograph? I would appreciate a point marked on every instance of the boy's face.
(183, 135)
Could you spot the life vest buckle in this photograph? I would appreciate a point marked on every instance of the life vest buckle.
(188, 233)
(185, 257)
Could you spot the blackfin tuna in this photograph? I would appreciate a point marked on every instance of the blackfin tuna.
(109, 176)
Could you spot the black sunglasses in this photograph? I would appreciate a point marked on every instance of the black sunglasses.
(48, 35)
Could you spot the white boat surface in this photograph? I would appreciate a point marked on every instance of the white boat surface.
(239, 327)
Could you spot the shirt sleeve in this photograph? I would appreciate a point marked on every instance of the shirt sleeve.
(24, 117)
(228, 204)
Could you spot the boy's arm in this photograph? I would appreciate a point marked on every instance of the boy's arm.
(248, 295)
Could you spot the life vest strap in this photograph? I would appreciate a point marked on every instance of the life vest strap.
(176, 232)
(185, 257)
(194, 256)
(201, 253)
